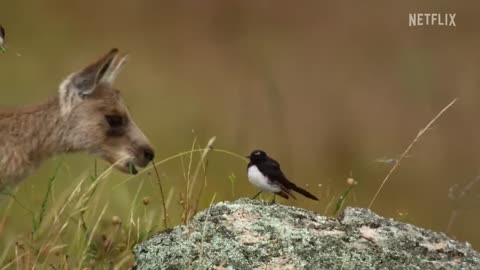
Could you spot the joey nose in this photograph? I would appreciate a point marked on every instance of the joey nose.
(148, 153)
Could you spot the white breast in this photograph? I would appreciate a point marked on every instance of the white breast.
(260, 181)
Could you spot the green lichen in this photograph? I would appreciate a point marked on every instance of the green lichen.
(248, 234)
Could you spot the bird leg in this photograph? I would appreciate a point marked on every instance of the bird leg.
(273, 200)
(256, 195)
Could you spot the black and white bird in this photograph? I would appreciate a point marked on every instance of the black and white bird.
(265, 174)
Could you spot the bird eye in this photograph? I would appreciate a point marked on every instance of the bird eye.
(115, 121)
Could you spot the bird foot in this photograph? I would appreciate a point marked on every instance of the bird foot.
(273, 200)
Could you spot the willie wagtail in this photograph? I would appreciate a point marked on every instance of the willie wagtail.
(265, 174)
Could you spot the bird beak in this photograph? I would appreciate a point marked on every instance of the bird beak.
(247, 156)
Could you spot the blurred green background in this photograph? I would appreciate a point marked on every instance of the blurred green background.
(330, 89)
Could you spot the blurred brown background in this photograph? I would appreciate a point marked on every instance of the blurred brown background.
(328, 89)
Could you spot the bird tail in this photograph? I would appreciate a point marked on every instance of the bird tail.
(282, 194)
(304, 192)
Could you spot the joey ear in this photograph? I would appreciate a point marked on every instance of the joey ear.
(114, 69)
(84, 82)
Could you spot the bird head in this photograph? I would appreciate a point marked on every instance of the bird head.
(257, 156)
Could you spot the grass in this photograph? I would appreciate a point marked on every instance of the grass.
(72, 231)
(463, 198)
(343, 197)
(43, 207)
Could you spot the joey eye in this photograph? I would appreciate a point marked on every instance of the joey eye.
(115, 121)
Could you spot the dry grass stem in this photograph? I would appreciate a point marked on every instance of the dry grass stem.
(407, 150)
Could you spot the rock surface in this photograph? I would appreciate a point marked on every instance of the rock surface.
(248, 234)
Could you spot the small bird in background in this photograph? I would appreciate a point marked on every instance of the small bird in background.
(3, 47)
(265, 174)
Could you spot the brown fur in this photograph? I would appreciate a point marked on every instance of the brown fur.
(78, 119)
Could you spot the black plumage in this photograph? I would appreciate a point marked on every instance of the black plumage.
(270, 168)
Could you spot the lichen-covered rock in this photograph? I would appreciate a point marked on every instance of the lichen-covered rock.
(248, 234)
